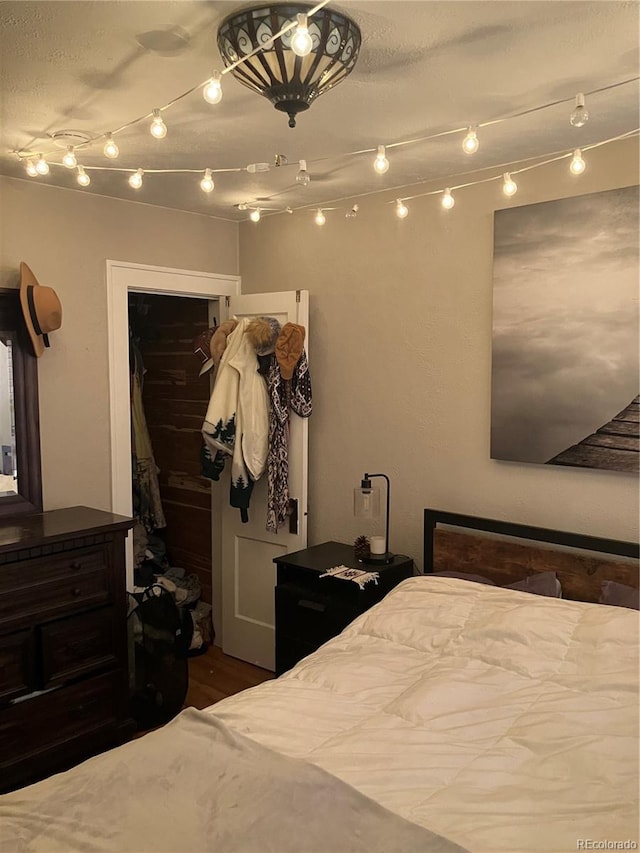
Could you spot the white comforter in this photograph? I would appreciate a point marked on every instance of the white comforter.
(502, 720)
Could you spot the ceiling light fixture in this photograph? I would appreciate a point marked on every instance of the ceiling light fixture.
(290, 81)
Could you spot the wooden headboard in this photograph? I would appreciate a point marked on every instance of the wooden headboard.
(505, 552)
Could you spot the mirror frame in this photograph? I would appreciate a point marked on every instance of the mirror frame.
(27, 414)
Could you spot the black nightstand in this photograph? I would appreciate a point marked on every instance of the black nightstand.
(310, 610)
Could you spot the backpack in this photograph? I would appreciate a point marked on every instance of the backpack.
(159, 639)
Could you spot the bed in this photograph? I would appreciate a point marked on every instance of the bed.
(454, 715)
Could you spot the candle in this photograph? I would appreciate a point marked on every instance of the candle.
(377, 545)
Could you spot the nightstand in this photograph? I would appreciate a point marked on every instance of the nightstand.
(310, 610)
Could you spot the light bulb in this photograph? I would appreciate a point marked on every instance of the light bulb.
(69, 159)
(320, 218)
(509, 187)
(401, 209)
(254, 216)
(135, 180)
(42, 167)
(447, 199)
(381, 164)
(212, 92)
(470, 143)
(31, 169)
(580, 114)
(83, 179)
(207, 184)
(110, 149)
(303, 177)
(577, 165)
(301, 42)
(158, 128)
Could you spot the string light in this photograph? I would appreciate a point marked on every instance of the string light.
(580, 115)
(320, 218)
(447, 200)
(42, 167)
(212, 92)
(577, 165)
(83, 179)
(252, 168)
(135, 181)
(110, 149)
(402, 210)
(351, 214)
(509, 187)
(301, 42)
(254, 216)
(381, 164)
(69, 159)
(207, 184)
(31, 169)
(470, 144)
(158, 128)
(303, 177)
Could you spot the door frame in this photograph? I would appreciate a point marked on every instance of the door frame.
(123, 277)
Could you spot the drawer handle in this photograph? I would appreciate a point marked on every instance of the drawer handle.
(75, 565)
(312, 605)
(76, 590)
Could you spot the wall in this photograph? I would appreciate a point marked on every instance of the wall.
(400, 354)
(66, 236)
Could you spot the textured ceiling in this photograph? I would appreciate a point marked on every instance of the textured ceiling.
(424, 67)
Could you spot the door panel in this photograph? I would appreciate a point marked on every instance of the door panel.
(248, 571)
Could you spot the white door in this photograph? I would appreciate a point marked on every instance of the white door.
(248, 570)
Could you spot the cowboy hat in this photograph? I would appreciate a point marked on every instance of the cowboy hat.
(41, 309)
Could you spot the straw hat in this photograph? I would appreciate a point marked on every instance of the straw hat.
(41, 309)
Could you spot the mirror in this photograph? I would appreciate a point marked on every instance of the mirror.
(20, 473)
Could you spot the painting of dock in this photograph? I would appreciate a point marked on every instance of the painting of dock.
(615, 445)
(566, 337)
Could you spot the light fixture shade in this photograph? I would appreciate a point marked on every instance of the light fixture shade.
(289, 81)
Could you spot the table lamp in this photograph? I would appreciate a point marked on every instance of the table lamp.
(366, 504)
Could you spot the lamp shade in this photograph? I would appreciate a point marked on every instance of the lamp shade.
(289, 81)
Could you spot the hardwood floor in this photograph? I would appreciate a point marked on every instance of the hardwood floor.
(214, 676)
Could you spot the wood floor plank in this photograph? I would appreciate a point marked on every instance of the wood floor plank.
(214, 676)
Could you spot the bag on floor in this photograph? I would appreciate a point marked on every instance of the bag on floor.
(159, 639)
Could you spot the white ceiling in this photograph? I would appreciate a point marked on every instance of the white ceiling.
(424, 67)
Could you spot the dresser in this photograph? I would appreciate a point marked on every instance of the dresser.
(63, 641)
(311, 609)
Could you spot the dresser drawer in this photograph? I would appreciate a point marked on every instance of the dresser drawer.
(16, 664)
(78, 644)
(69, 593)
(52, 567)
(33, 724)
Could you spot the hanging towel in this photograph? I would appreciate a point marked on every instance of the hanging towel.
(237, 419)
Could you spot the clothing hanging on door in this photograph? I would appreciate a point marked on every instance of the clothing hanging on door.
(237, 419)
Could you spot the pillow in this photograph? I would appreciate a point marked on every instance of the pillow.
(463, 576)
(619, 595)
(540, 583)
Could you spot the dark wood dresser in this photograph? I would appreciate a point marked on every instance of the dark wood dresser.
(63, 641)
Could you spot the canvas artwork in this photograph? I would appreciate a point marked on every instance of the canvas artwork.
(565, 360)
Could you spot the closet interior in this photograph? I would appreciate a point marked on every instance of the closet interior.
(171, 500)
